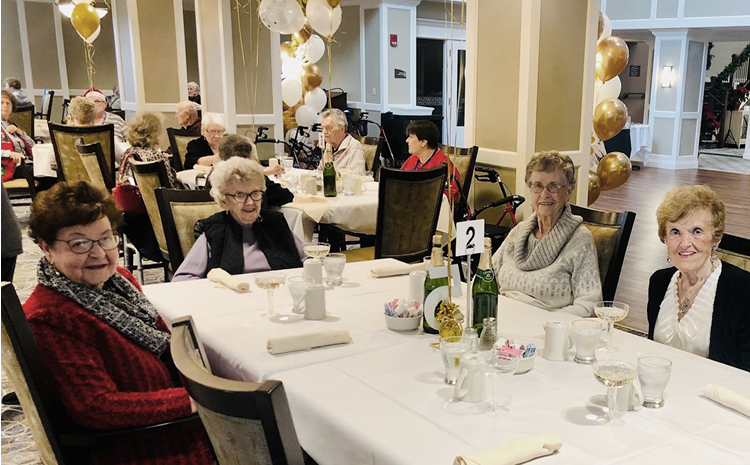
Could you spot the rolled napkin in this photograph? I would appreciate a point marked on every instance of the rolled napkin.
(312, 205)
(515, 452)
(307, 341)
(396, 270)
(728, 398)
(217, 275)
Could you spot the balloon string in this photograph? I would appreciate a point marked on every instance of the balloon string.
(256, 71)
(328, 45)
(237, 8)
(89, 54)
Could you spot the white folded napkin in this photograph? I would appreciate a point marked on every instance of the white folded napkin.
(202, 168)
(728, 398)
(515, 452)
(217, 275)
(280, 345)
(396, 270)
(312, 205)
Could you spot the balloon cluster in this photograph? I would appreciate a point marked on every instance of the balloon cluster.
(301, 76)
(610, 114)
(85, 20)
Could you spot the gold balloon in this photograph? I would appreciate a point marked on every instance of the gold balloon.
(611, 57)
(610, 117)
(287, 49)
(601, 28)
(84, 19)
(303, 35)
(613, 170)
(595, 187)
(312, 78)
(303, 5)
(333, 3)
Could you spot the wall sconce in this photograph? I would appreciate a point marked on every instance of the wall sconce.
(667, 76)
(66, 7)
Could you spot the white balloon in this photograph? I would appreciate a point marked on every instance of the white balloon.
(282, 16)
(316, 98)
(291, 91)
(607, 29)
(610, 89)
(92, 37)
(292, 68)
(305, 115)
(324, 19)
(315, 48)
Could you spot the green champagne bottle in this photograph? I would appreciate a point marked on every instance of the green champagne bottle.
(430, 284)
(329, 174)
(484, 290)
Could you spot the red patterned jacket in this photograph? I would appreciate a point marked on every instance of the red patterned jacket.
(106, 381)
(438, 158)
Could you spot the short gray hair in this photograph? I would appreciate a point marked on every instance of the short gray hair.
(191, 107)
(194, 84)
(336, 115)
(239, 169)
(212, 118)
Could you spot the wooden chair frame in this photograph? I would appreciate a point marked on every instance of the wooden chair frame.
(48, 96)
(96, 150)
(82, 133)
(178, 158)
(24, 118)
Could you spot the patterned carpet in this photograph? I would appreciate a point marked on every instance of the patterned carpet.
(726, 160)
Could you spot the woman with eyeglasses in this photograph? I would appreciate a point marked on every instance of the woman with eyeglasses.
(102, 340)
(549, 260)
(205, 149)
(240, 239)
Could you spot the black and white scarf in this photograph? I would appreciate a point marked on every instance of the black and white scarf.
(119, 304)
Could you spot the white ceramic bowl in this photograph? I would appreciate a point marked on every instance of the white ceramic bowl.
(402, 324)
(525, 364)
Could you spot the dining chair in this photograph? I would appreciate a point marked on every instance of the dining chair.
(611, 231)
(23, 117)
(464, 159)
(64, 139)
(24, 186)
(96, 164)
(246, 422)
(150, 176)
(734, 250)
(178, 141)
(372, 148)
(408, 210)
(57, 437)
(48, 96)
(180, 210)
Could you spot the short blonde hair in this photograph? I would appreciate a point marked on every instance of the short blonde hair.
(237, 168)
(82, 111)
(144, 129)
(549, 162)
(683, 201)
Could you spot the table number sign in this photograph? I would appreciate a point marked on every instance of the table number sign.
(469, 237)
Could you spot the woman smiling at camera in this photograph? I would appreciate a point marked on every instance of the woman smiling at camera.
(102, 340)
(549, 260)
(241, 239)
(700, 304)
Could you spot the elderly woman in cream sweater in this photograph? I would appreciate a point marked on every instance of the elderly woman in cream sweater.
(549, 260)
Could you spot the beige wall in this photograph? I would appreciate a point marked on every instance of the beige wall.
(640, 55)
(12, 60)
(244, 95)
(667, 8)
(439, 10)
(191, 46)
(666, 98)
(399, 22)
(160, 78)
(345, 56)
(105, 63)
(40, 25)
(628, 9)
(372, 56)
(704, 8)
(693, 81)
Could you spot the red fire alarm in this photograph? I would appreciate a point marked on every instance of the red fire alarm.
(394, 40)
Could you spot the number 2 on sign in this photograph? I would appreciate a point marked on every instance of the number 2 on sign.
(469, 237)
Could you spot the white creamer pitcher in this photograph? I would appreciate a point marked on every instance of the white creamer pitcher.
(470, 383)
(557, 341)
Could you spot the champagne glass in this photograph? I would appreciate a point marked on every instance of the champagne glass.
(316, 250)
(610, 312)
(613, 374)
(270, 281)
(496, 365)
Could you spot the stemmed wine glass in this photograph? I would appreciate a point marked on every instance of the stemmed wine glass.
(270, 281)
(495, 365)
(611, 312)
(613, 374)
(316, 250)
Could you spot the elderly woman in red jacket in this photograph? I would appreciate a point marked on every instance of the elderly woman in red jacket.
(425, 153)
(103, 341)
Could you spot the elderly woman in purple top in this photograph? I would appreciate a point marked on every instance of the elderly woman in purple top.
(240, 239)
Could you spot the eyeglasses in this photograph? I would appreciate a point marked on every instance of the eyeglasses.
(329, 128)
(211, 132)
(82, 246)
(552, 187)
(241, 197)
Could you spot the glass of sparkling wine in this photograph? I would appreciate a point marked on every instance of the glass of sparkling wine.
(653, 376)
(270, 281)
(452, 348)
(496, 365)
(316, 250)
(611, 312)
(613, 374)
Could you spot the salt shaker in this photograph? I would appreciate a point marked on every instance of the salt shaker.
(315, 302)
(489, 334)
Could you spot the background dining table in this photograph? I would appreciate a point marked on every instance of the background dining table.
(382, 399)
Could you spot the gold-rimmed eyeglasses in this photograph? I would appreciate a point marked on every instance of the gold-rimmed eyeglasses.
(552, 187)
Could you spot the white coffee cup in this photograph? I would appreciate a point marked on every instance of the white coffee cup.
(358, 190)
(314, 270)
(416, 285)
(628, 397)
(315, 302)
(311, 185)
(470, 385)
(557, 341)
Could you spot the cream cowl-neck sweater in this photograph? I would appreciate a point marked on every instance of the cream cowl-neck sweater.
(559, 272)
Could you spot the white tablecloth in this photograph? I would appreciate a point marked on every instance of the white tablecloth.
(640, 142)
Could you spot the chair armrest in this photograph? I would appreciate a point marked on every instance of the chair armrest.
(87, 437)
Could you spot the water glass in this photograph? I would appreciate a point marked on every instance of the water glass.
(349, 181)
(586, 335)
(334, 264)
(452, 348)
(297, 286)
(653, 376)
(287, 163)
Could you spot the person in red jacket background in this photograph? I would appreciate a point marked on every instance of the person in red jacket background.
(102, 340)
(425, 154)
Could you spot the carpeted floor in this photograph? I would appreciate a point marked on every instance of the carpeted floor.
(727, 160)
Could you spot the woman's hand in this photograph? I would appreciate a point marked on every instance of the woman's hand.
(13, 129)
(276, 170)
(17, 157)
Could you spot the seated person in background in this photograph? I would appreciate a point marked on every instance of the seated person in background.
(194, 92)
(347, 151)
(12, 134)
(234, 145)
(14, 87)
(104, 117)
(144, 134)
(425, 154)
(240, 239)
(549, 259)
(187, 116)
(205, 149)
(81, 112)
(101, 339)
(113, 101)
(700, 304)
